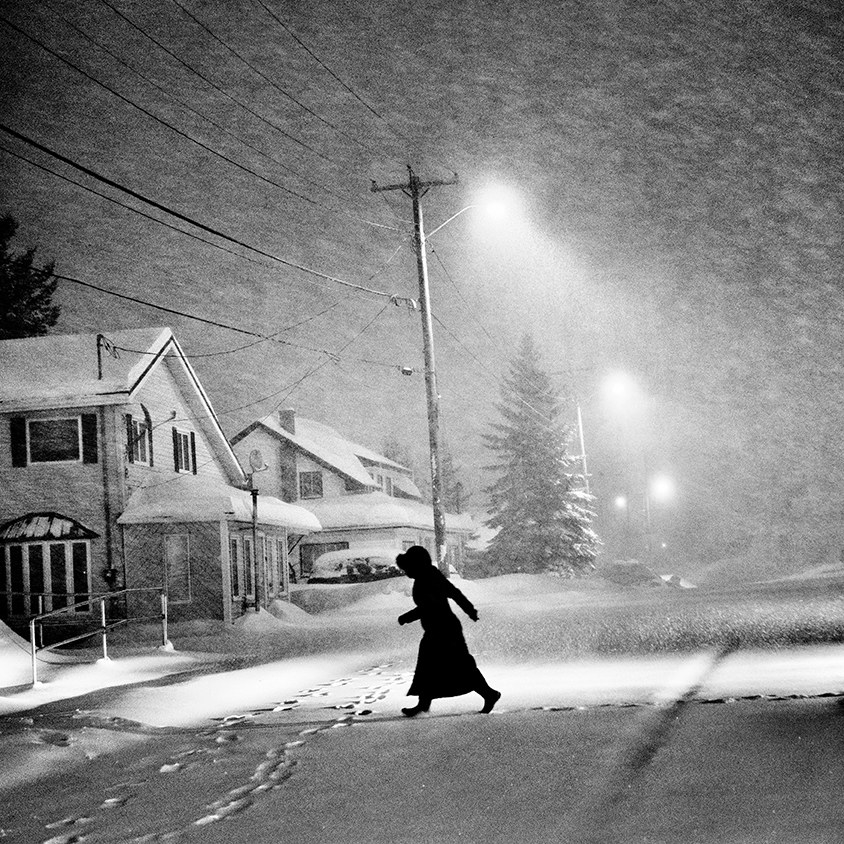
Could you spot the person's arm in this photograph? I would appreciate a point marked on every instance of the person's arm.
(411, 615)
(460, 599)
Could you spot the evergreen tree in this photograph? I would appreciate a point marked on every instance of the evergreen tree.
(537, 503)
(26, 291)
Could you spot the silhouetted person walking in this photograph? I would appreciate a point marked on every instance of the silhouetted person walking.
(444, 668)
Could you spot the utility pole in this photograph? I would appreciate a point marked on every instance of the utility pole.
(415, 188)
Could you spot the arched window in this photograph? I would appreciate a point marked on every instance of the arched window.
(45, 564)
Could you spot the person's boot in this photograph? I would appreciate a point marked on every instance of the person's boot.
(422, 706)
(490, 699)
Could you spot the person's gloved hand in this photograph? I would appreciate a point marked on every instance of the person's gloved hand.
(473, 615)
(402, 620)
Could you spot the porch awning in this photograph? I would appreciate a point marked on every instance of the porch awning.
(192, 498)
(43, 526)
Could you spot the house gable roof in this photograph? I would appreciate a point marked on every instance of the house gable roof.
(320, 443)
(77, 370)
(330, 449)
(63, 370)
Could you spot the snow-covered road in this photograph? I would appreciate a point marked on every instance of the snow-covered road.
(310, 746)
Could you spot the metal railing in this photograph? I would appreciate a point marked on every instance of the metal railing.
(36, 633)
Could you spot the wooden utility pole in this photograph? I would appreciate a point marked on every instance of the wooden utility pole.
(415, 188)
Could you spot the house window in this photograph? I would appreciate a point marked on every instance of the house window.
(139, 442)
(388, 485)
(58, 439)
(54, 440)
(310, 484)
(234, 561)
(177, 565)
(248, 565)
(184, 451)
(59, 573)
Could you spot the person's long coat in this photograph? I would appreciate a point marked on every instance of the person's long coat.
(444, 668)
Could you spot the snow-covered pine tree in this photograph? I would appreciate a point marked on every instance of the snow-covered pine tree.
(537, 503)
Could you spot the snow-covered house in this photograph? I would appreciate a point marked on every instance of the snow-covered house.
(115, 472)
(361, 498)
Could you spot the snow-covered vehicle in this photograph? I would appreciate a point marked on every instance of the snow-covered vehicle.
(356, 565)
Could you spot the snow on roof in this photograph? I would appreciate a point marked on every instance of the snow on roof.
(323, 443)
(61, 370)
(376, 509)
(406, 486)
(373, 456)
(194, 498)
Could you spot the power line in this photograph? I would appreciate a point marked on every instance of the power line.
(129, 207)
(185, 135)
(216, 87)
(336, 357)
(344, 84)
(240, 348)
(89, 172)
(277, 87)
(198, 113)
(215, 323)
(495, 342)
(169, 225)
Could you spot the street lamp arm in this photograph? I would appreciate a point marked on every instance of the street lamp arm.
(443, 225)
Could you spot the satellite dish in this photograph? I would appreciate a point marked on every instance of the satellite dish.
(256, 461)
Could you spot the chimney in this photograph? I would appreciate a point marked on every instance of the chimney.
(287, 419)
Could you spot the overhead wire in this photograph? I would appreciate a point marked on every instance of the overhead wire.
(397, 132)
(307, 199)
(275, 85)
(165, 223)
(290, 388)
(213, 84)
(221, 352)
(131, 208)
(212, 322)
(89, 172)
(495, 342)
(193, 110)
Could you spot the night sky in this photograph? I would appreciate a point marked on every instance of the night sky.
(673, 178)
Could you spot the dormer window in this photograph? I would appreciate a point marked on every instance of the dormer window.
(310, 484)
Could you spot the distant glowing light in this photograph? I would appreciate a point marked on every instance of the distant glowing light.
(662, 488)
(620, 502)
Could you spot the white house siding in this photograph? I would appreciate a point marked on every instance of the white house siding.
(332, 485)
(161, 396)
(269, 482)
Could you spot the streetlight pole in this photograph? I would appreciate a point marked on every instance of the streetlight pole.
(415, 188)
(582, 449)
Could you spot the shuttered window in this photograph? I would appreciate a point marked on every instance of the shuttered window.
(65, 439)
(184, 451)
